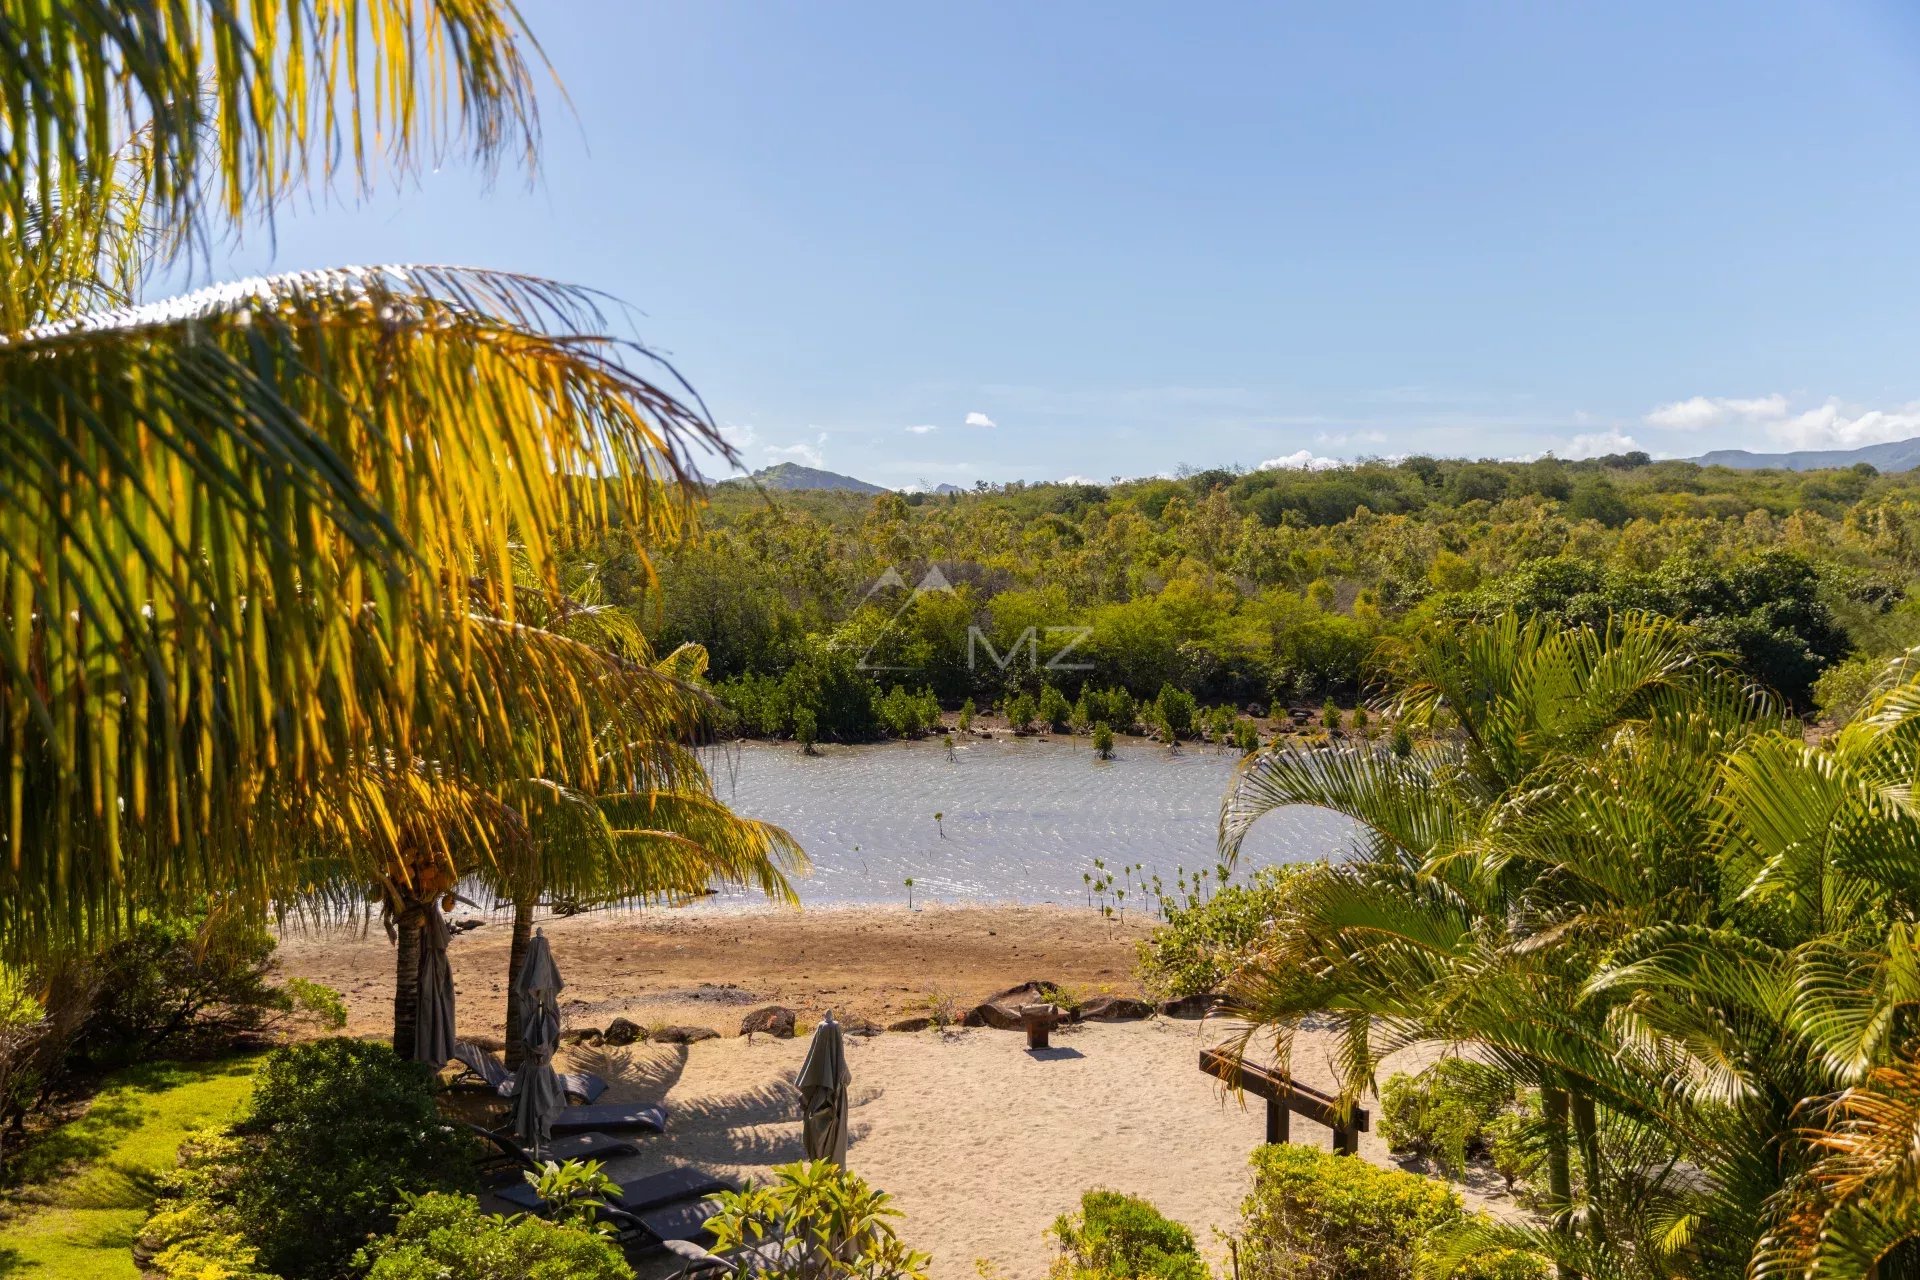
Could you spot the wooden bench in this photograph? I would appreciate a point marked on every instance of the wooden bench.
(1286, 1098)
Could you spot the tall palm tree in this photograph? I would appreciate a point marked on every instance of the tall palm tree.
(652, 831)
(254, 540)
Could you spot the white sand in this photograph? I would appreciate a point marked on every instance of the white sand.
(982, 1144)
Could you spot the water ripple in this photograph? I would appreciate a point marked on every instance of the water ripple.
(1023, 819)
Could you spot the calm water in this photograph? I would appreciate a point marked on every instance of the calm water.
(1024, 819)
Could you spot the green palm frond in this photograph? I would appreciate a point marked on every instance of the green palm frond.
(248, 103)
(1407, 805)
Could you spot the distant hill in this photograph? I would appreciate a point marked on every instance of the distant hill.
(1899, 455)
(791, 475)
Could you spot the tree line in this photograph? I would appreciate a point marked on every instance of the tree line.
(1271, 588)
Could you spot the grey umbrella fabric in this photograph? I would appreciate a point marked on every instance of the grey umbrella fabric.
(537, 1097)
(823, 1095)
(433, 1026)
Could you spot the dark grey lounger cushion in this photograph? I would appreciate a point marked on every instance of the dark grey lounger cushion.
(657, 1190)
(582, 1084)
(686, 1220)
(642, 1195)
(612, 1115)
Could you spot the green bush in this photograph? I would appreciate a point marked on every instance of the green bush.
(1102, 740)
(823, 682)
(186, 984)
(1514, 1144)
(1844, 687)
(1054, 710)
(1119, 1237)
(194, 1230)
(908, 715)
(1175, 709)
(447, 1237)
(1314, 1216)
(1205, 939)
(199, 1240)
(832, 1226)
(1443, 1112)
(1020, 712)
(1115, 706)
(339, 1131)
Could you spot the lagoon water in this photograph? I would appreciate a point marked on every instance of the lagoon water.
(1023, 819)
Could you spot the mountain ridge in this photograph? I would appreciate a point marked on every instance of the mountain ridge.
(1894, 455)
(791, 476)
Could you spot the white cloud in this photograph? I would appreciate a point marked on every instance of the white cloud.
(1599, 443)
(924, 428)
(1699, 412)
(978, 419)
(1079, 480)
(1833, 425)
(1303, 460)
(803, 453)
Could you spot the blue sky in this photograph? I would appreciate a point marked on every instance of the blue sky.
(1132, 237)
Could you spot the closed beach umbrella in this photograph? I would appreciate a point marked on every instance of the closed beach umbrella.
(537, 1098)
(823, 1095)
(433, 1029)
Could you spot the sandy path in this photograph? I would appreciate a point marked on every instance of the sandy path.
(982, 1144)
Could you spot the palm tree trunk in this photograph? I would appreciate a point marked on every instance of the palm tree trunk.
(1586, 1129)
(516, 954)
(406, 983)
(1554, 1105)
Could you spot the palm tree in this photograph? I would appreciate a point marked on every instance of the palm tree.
(653, 831)
(1689, 925)
(1440, 929)
(254, 541)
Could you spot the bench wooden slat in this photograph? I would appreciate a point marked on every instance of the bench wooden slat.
(1301, 1099)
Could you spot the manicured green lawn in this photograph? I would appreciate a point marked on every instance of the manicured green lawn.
(92, 1181)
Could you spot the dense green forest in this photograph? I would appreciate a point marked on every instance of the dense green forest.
(1269, 588)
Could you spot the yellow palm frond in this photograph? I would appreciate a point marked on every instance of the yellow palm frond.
(250, 534)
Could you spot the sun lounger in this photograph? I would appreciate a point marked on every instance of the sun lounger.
(616, 1116)
(682, 1222)
(575, 1084)
(698, 1261)
(658, 1210)
(640, 1197)
(575, 1146)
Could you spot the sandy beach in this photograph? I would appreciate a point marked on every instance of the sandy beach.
(981, 1143)
(708, 967)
